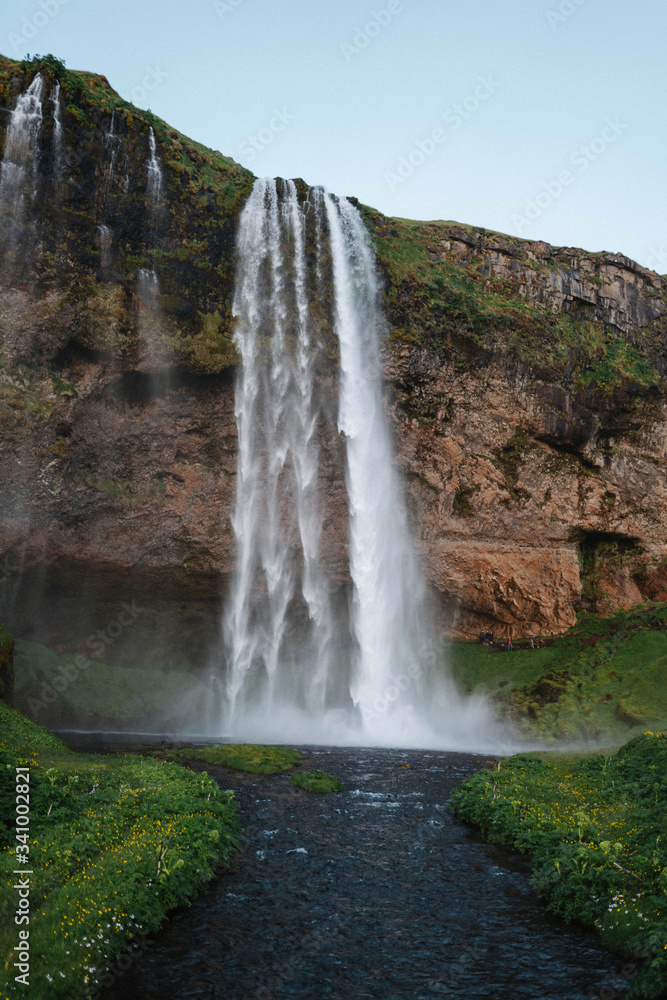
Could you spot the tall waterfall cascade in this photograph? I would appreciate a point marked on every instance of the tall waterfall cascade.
(295, 669)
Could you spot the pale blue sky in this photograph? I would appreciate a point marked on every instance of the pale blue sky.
(348, 94)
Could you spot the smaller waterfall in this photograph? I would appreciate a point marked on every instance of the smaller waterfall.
(111, 145)
(18, 171)
(156, 359)
(105, 237)
(58, 147)
(148, 287)
(154, 186)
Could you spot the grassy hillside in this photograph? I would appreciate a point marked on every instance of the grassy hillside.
(604, 680)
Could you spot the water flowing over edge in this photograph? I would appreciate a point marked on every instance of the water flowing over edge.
(389, 687)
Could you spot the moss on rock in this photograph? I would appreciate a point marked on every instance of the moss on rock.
(316, 781)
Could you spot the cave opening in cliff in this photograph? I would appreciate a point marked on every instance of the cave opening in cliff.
(606, 564)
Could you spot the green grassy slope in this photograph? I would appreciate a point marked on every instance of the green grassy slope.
(114, 843)
(595, 831)
(604, 680)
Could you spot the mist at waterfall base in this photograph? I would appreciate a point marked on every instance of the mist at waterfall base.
(372, 675)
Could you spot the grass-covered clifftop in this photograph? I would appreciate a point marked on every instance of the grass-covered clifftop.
(462, 291)
(592, 321)
(102, 181)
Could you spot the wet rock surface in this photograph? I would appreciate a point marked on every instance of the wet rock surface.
(374, 892)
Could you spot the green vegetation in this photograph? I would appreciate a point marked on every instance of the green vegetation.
(456, 308)
(595, 831)
(247, 757)
(114, 843)
(316, 781)
(85, 91)
(603, 681)
(60, 688)
(258, 760)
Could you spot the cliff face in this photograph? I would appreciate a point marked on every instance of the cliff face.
(526, 383)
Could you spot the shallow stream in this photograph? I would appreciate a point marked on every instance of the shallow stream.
(377, 891)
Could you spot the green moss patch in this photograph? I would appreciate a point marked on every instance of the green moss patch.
(248, 757)
(316, 781)
(595, 830)
(602, 681)
(115, 842)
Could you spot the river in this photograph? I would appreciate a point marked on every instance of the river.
(377, 891)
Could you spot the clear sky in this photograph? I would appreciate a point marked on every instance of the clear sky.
(540, 118)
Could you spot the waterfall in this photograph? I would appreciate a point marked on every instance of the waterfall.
(283, 678)
(106, 240)
(57, 132)
(154, 184)
(277, 496)
(148, 287)
(388, 592)
(111, 144)
(18, 171)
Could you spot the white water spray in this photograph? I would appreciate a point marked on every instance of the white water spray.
(106, 241)
(286, 680)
